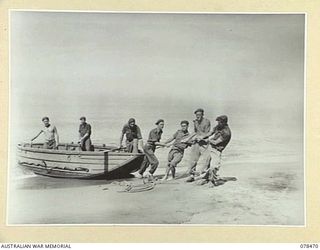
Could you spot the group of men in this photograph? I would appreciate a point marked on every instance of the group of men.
(203, 141)
(51, 136)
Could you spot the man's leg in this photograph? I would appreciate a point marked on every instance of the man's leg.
(177, 157)
(83, 146)
(154, 163)
(129, 146)
(170, 157)
(145, 164)
(87, 144)
(49, 144)
(205, 153)
(195, 155)
(134, 146)
(214, 165)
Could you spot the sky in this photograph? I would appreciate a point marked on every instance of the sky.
(251, 65)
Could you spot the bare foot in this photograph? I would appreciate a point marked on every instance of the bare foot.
(164, 178)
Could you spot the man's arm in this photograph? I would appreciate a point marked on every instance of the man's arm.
(139, 137)
(160, 144)
(207, 135)
(37, 135)
(223, 136)
(207, 127)
(171, 139)
(84, 137)
(86, 134)
(194, 126)
(141, 143)
(121, 139)
(167, 142)
(56, 135)
(156, 143)
(216, 141)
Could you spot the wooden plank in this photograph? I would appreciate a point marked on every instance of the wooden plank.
(121, 158)
(60, 152)
(63, 173)
(111, 154)
(62, 158)
(61, 164)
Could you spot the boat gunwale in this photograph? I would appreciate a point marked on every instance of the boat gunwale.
(69, 152)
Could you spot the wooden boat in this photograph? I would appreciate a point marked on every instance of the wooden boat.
(69, 162)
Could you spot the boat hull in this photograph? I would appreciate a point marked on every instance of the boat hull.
(69, 162)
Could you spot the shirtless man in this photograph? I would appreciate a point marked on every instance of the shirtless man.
(51, 135)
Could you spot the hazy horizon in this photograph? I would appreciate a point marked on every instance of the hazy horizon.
(250, 67)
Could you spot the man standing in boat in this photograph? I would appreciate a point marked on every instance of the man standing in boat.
(149, 149)
(181, 140)
(84, 135)
(51, 135)
(202, 127)
(133, 136)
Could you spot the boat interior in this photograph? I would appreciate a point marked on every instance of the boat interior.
(75, 147)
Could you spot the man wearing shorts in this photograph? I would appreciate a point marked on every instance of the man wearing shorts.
(51, 136)
(176, 152)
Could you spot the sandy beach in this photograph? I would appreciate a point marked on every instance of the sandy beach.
(264, 194)
(111, 67)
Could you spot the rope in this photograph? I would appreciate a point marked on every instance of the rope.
(130, 188)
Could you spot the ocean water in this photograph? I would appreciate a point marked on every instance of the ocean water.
(254, 137)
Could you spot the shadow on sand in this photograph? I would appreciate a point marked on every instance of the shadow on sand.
(38, 182)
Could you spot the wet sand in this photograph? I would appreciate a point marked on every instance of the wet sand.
(264, 194)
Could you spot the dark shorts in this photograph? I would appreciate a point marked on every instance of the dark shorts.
(86, 145)
(50, 144)
(132, 146)
(174, 157)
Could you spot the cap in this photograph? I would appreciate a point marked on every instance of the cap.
(82, 118)
(131, 120)
(222, 118)
(160, 120)
(199, 110)
(184, 122)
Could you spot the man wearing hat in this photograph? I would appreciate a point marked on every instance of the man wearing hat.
(202, 127)
(149, 149)
(218, 140)
(133, 136)
(181, 142)
(84, 135)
